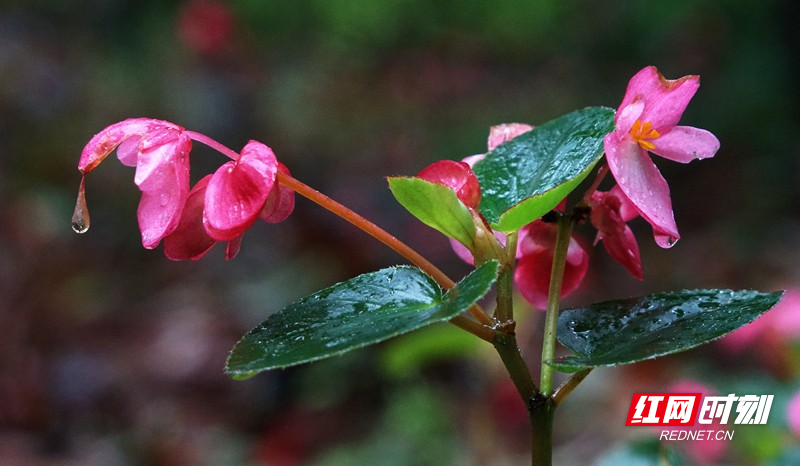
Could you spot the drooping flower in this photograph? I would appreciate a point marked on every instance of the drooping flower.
(535, 248)
(160, 152)
(646, 121)
(610, 213)
(220, 207)
(223, 205)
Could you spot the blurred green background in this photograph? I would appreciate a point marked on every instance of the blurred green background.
(113, 355)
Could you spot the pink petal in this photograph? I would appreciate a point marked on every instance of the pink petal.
(685, 143)
(532, 277)
(532, 273)
(190, 241)
(458, 176)
(627, 211)
(665, 100)
(160, 208)
(162, 174)
(617, 237)
(643, 185)
(104, 142)
(627, 115)
(238, 191)
(499, 134)
(128, 151)
(160, 149)
(280, 203)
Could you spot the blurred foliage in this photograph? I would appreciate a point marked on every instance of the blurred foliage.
(113, 355)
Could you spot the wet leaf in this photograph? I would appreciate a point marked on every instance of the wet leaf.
(435, 205)
(526, 177)
(627, 331)
(361, 311)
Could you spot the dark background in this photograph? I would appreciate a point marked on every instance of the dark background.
(113, 355)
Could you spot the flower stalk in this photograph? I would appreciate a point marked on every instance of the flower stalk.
(553, 302)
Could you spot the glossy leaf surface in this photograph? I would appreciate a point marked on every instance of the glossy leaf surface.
(435, 205)
(627, 331)
(528, 176)
(358, 312)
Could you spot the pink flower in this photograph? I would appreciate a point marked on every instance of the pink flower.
(220, 207)
(793, 414)
(223, 205)
(458, 176)
(535, 248)
(160, 152)
(610, 213)
(646, 121)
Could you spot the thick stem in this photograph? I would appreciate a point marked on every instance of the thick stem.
(505, 304)
(553, 302)
(506, 345)
(541, 410)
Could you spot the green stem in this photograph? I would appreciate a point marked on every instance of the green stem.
(505, 305)
(541, 410)
(505, 343)
(553, 302)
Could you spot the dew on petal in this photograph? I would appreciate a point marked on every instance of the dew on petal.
(80, 217)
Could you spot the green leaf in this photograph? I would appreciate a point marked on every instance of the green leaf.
(435, 205)
(361, 311)
(526, 177)
(633, 330)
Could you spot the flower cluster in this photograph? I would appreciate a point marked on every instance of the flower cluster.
(220, 207)
(645, 122)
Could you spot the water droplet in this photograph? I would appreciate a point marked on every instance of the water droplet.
(163, 199)
(80, 217)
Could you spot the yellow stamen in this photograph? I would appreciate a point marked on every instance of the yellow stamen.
(642, 133)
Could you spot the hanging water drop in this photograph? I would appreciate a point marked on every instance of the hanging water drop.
(80, 217)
